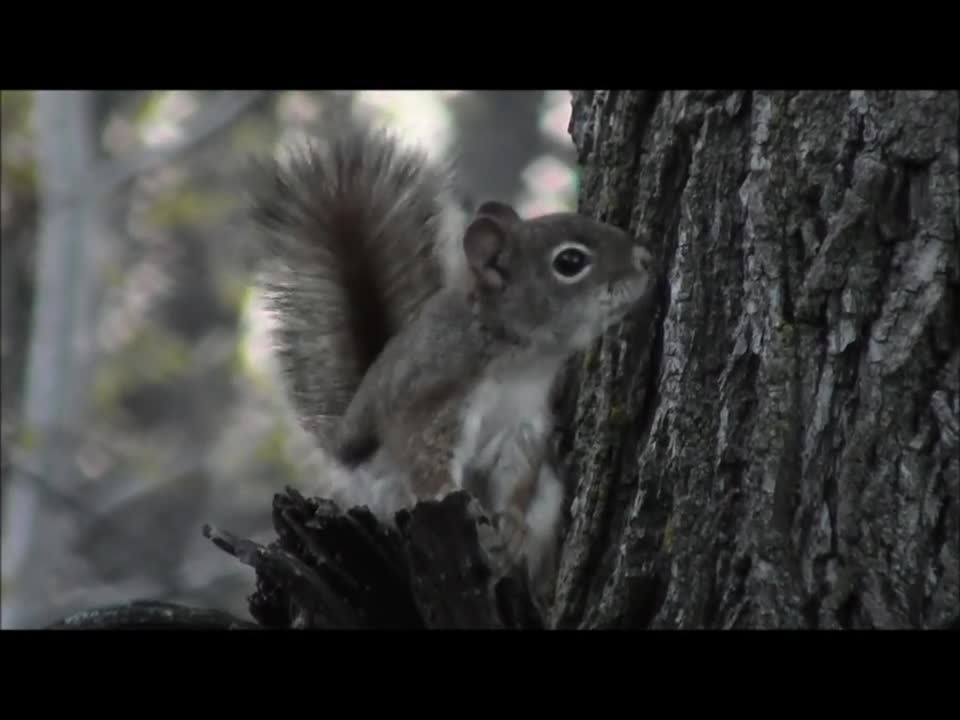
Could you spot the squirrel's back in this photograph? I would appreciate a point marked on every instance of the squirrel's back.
(354, 236)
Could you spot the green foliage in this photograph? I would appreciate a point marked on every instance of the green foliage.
(246, 370)
(16, 110)
(153, 356)
(17, 162)
(273, 450)
(232, 289)
(240, 361)
(252, 135)
(20, 175)
(27, 437)
(113, 275)
(148, 109)
(187, 208)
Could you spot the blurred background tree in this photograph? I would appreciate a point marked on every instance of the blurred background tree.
(139, 395)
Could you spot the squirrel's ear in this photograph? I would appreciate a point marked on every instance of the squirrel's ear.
(498, 211)
(482, 244)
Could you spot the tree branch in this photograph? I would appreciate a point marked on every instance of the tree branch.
(150, 615)
(206, 123)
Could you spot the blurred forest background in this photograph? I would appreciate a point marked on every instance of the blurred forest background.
(139, 395)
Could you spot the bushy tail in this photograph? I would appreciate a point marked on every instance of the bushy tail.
(353, 237)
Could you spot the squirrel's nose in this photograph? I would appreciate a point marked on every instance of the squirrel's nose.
(642, 258)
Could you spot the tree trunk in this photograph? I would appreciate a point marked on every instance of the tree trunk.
(780, 451)
(61, 350)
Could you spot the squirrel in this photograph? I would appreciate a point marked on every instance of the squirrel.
(420, 343)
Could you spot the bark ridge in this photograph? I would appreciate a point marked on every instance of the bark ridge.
(782, 450)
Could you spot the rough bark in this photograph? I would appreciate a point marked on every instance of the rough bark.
(337, 569)
(782, 451)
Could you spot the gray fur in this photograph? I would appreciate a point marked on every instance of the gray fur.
(423, 354)
(352, 244)
(461, 396)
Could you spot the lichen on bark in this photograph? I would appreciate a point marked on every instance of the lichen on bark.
(791, 455)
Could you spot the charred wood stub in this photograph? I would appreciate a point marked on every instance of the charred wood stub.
(334, 568)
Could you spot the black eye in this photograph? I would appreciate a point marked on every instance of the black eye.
(570, 262)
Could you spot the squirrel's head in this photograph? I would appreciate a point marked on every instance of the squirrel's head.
(559, 279)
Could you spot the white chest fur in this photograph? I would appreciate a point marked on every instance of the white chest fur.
(496, 410)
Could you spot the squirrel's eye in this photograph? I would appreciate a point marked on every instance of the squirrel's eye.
(571, 263)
